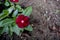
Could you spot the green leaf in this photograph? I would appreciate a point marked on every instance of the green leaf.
(19, 8)
(29, 28)
(1, 29)
(10, 30)
(17, 30)
(11, 9)
(6, 29)
(1, 24)
(27, 11)
(15, 13)
(6, 22)
(4, 14)
(6, 3)
(12, 4)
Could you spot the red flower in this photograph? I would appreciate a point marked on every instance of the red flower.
(14, 0)
(22, 21)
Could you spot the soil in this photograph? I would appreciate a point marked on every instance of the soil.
(45, 19)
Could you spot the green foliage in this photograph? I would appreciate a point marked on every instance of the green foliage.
(1, 29)
(29, 28)
(17, 30)
(6, 25)
(5, 29)
(27, 11)
(10, 30)
(6, 22)
(8, 17)
(6, 3)
(15, 13)
(19, 8)
(11, 9)
(4, 14)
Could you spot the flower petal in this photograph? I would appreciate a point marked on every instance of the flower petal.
(14, 0)
(26, 24)
(26, 19)
(21, 17)
(20, 25)
(22, 21)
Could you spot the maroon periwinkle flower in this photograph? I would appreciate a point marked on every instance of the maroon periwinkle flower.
(14, 0)
(22, 21)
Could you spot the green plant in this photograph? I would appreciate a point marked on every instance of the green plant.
(8, 16)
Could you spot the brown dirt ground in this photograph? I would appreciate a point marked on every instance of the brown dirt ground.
(45, 19)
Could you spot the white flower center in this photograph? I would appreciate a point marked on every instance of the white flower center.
(22, 21)
(13, 0)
